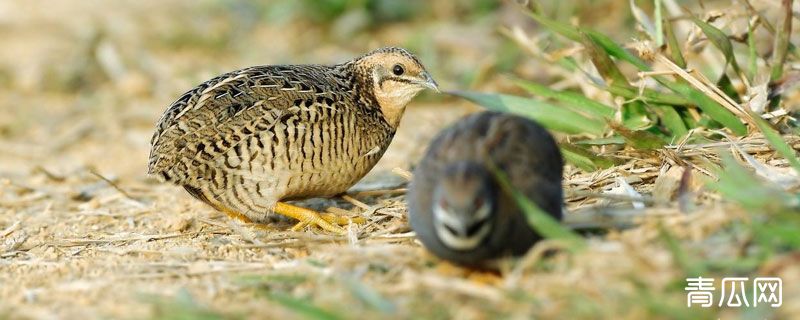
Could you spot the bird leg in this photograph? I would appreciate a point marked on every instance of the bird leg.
(234, 214)
(307, 216)
(328, 221)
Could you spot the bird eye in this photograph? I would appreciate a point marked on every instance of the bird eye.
(443, 203)
(398, 70)
(478, 202)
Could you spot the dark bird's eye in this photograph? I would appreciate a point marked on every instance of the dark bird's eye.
(443, 203)
(478, 202)
(398, 70)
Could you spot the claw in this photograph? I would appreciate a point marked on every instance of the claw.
(327, 221)
(306, 217)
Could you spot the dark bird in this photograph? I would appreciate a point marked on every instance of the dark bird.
(246, 141)
(456, 205)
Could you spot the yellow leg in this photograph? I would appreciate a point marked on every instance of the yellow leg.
(328, 221)
(342, 221)
(307, 217)
(245, 219)
(234, 214)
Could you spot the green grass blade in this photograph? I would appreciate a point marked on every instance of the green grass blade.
(578, 160)
(635, 116)
(782, 42)
(710, 107)
(615, 50)
(752, 53)
(563, 29)
(602, 40)
(584, 159)
(659, 26)
(726, 86)
(543, 223)
(601, 141)
(780, 231)
(673, 121)
(720, 40)
(370, 296)
(182, 307)
(303, 308)
(550, 116)
(688, 118)
(568, 63)
(643, 140)
(686, 262)
(777, 142)
(649, 96)
(578, 101)
(738, 184)
(604, 64)
(764, 21)
(674, 46)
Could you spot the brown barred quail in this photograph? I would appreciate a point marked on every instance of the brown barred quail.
(248, 140)
(456, 206)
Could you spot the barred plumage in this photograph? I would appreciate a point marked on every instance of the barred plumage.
(244, 140)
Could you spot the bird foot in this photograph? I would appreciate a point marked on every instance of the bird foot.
(328, 222)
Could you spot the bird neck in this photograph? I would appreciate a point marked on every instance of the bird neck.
(392, 110)
(389, 109)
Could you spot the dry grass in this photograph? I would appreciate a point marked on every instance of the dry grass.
(85, 234)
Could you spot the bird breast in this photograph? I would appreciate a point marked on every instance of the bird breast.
(318, 150)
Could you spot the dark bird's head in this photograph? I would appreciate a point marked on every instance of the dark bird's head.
(395, 76)
(464, 203)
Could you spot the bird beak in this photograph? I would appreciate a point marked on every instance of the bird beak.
(429, 82)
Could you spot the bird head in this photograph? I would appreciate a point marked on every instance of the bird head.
(464, 206)
(396, 76)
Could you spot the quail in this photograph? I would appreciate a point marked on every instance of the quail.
(247, 141)
(456, 205)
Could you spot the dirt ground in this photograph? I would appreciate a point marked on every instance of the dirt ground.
(84, 233)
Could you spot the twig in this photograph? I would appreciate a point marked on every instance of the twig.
(10, 229)
(403, 173)
(710, 91)
(287, 244)
(410, 234)
(115, 186)
(190, 273)
(71, 242)
(355, 202)
(610, 196)
(212, 222)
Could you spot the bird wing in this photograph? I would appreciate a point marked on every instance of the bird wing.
(228, 109)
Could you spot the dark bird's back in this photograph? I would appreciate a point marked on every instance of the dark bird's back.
(521, 148)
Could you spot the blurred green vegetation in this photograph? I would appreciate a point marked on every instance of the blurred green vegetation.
(662, 112)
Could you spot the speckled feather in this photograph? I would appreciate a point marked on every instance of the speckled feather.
(248, 138)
